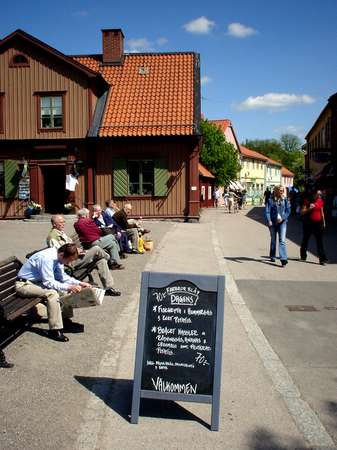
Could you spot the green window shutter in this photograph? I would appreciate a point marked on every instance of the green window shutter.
(160, 177)
(11, 176)
(120, 180)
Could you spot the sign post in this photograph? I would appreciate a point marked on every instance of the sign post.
(179, 340)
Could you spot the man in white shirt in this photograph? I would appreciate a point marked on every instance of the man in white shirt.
(43, 276)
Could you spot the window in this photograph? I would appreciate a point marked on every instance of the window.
(2, 178)
(51, 112)
(141, 177)
(19, 60)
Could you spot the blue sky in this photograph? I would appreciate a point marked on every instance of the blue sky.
(268, 66)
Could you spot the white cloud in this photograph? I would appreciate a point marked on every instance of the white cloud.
(162, 41)
(240, 31)
(205, 80)
(202, 25)
(291, 129)
(139, 45)
(81, 13)
(274, 101)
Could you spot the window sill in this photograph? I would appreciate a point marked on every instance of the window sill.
(53, 130)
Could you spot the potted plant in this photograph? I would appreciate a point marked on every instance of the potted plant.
(68, 208)
(33, 208)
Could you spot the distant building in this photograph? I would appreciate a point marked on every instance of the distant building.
(253, 171)
(321, 146)
(287, 178)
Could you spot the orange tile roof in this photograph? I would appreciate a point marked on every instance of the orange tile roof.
(252, 154)
(223, 124)
(150, 94)
(272, 161)
(286, 172)
(204, 172)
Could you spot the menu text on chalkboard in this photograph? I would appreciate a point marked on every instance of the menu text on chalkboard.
(179, 342)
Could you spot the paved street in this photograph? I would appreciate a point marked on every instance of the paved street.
(279, 366)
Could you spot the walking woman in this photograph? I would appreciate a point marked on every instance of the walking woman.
(313, 223)
(277, 211)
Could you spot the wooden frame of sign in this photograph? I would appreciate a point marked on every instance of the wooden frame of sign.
(179, 340)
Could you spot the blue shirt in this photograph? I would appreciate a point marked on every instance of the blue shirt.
(44, 267)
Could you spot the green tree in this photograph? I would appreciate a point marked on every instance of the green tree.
(218, 155)
(291, 143)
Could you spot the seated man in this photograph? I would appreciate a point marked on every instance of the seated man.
(104, 221)
(57, 237)
(43, 276)
(90, 235)
(111, 208)
(121, 218)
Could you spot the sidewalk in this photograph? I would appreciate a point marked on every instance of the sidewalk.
(79, 396)
(253, 414)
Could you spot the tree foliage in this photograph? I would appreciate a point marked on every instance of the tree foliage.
(218, 155)
(287, 151)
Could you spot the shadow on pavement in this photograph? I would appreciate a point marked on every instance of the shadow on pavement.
(262, 439)
(294, 233)
(117, 395)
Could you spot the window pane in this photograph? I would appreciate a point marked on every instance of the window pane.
(57, 102)
(58, 122)
(45, 102)
(147, 177)
(134, 177)
(46, 122)
(45, 112)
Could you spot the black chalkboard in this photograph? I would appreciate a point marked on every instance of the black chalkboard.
(179, 340)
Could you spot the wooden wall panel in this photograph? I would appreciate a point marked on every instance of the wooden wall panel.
(177, 153)
(19, 84)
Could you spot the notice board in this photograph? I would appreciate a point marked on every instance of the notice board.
(179, 340)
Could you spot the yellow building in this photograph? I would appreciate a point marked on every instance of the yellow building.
(253, 174)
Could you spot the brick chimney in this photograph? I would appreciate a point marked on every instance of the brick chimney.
(113, 47)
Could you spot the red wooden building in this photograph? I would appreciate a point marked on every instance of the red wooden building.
(127, 125)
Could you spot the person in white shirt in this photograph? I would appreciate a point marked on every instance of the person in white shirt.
(42, 275)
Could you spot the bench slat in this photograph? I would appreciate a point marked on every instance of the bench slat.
(6, 293)
(9, 275)
(13, 265)
(22, 305)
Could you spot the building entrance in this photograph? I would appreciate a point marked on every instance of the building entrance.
(54, 177)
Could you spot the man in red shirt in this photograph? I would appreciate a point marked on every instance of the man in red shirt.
(90, 235)
(313, 223)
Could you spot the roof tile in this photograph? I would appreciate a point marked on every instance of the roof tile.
(150, 94)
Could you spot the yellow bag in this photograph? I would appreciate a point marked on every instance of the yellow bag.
(141, 248)
(148, 245)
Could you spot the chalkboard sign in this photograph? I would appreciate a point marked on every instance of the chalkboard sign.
(179, 342)
(24, 189)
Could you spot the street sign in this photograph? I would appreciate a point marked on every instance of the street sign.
(179, 340)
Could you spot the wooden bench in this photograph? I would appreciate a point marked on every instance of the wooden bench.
(11, 305)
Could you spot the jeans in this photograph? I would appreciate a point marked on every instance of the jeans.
(316, 228)
(280, 230)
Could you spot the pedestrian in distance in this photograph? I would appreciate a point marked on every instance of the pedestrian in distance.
(312, 213)
(217, 196)
(277, 211)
